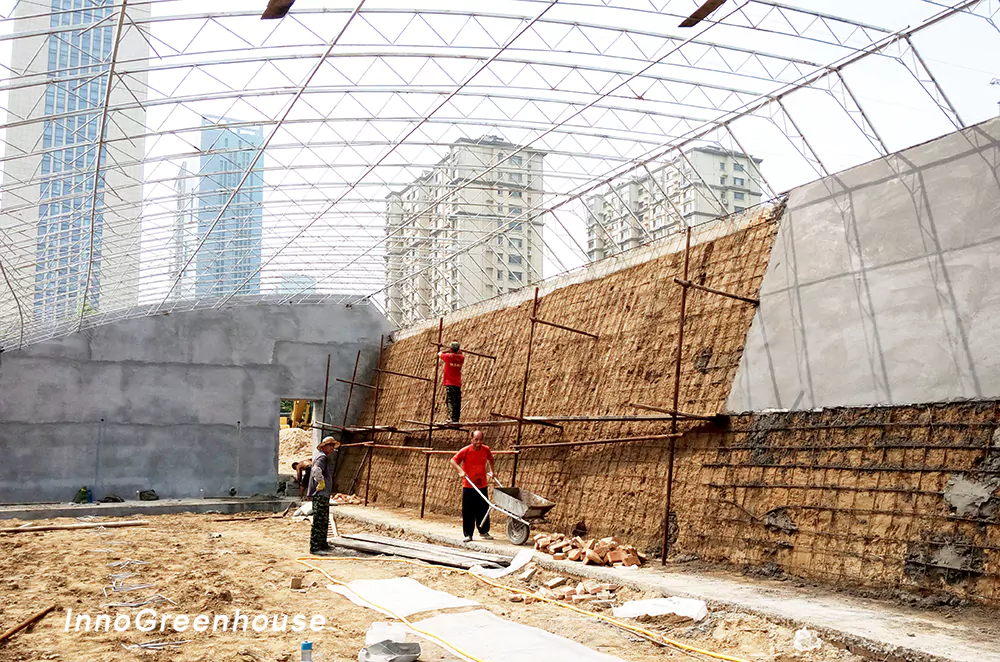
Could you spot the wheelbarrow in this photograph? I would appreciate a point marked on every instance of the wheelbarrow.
(522, 509)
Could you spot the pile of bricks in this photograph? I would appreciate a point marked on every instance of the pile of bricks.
(595, 594)
(346, 500)
(594, 551)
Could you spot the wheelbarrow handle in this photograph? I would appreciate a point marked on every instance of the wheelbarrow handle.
(495, 507)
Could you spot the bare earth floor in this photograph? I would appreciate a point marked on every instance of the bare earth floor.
(215, 567)
(884, 629)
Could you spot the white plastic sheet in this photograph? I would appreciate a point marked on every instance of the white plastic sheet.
(386, 632)
(693, 609)
(522, 559)
(401, 595)
(481, 634)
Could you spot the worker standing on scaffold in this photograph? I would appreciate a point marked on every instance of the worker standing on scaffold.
(453, 361)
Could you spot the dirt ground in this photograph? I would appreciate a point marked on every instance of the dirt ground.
(293, 445)
(215, 567)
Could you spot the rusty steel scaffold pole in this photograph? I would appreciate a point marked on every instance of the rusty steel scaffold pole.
(371, 449)
(347, 409)
(439, 345)
(350, 390)
(677, 394)
(524, 385)
(430, 420)
(326, 389)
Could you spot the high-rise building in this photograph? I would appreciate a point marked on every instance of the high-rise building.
(702, 184)
(184, 235)
(456, 237)
(64, 222)
(229, 260)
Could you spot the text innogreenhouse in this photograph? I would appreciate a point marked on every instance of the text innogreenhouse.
(148, 620)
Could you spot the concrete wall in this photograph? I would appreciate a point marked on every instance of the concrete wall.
(884, 285)
(178, 403)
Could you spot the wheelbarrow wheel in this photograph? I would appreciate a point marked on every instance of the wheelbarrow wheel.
(517, 532)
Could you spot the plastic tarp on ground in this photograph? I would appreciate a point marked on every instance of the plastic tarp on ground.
(481, 634)
(522, 559)
(686, 607)
(401, 595)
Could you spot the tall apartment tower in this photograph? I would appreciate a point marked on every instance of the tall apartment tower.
(60, 227)
(486, 218)
(229, 260)
(701, 185)
(184, 235)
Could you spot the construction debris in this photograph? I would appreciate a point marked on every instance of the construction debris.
(155, 645)
(594, 593)
(23, 624)
(346, 500)
(696, 610)
(153, 599)
(594, 551)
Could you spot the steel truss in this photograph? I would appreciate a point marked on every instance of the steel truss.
(353, 101)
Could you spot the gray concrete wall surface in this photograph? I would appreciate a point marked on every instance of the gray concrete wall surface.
(883, 286)
(185, 404)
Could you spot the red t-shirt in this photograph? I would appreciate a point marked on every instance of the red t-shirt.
(473, 462)
(452, 368)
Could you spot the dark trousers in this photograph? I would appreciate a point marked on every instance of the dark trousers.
(321, 522)
(474, 509)
(453, 400)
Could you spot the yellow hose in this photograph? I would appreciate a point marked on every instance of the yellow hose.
(627, 626)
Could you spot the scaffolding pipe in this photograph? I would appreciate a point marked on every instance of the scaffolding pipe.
(439, 345)
(533, 420)
(524, 384)
(430, 419)
(594, 442)
(371, 450)
(677, 414)
(564, 328)
(401, 374)
(350, 390)
(686, 283)
(677, 394)
(354, 383)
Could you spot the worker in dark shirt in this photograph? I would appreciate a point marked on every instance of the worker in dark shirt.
(320, 486)
(453, 361)
(301, 469)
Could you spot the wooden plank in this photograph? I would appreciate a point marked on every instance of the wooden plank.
(71, 527)
(498, 559)
(450, 560)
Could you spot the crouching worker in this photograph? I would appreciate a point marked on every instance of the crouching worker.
(475, 465)
(301, 469)
(320, 487)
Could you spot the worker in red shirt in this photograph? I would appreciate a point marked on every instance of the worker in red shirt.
(453, 361)
(475, 465)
